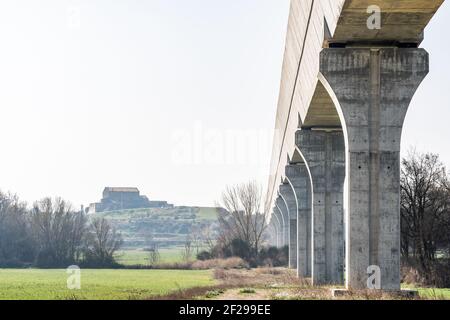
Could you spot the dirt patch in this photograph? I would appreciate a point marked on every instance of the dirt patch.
(266, 284)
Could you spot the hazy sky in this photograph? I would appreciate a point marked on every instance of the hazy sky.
(175, 97)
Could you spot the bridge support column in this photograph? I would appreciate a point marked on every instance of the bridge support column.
(289, 197)
(271, 232)
(282, 224)
(373, 89)
(299, 178)
(277, 228)
(324, 153)
(284, 212)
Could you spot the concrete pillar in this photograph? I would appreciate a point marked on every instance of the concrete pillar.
(324, 153)
(300, 180)
(280, 232)
(275, 232)
(271, 233)
(286, 215)
(287, 193)
(373, 88)
(284, 211)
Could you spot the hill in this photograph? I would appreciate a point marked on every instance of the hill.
(165, 228)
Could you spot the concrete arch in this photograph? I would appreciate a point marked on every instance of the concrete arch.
(295, 194)
(285, 203)
(289, 195)
(300, 155)
(283, 230)
(278, 231)
(272, 232)
(319, 144)
(287, 226)
(347, 208)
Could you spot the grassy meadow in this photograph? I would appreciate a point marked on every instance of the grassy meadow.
(38, 284)
(134, 257)
(265, 284)
(430, 293)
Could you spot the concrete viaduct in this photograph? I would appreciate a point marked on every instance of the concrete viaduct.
(350, 70)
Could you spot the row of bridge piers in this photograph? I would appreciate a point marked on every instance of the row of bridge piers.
(338, 204)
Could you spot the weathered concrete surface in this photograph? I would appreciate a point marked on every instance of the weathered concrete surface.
(401, 21)
(299, 177)
(272, 233)
(304, 102)
(282, 217)
(324, 153)
(284, 211)
(288, 194)
(279, 226)
(314, 23)
(373, 88)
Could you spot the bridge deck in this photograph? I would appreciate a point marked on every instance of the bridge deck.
(346, 21)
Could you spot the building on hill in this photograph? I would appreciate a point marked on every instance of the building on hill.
(117, 198)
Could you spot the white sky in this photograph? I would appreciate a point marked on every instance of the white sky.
(175, 97)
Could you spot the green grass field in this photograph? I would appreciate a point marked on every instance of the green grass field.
(430, 293)
(141, 257)
(38, 284)
(31, 284)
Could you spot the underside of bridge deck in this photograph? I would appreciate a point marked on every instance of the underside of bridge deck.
(402, 21)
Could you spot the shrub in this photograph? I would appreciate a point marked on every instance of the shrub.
(213, 293)
(247, 291)
(437, 276)
(229, 263)
(204, 255)
(274, 257)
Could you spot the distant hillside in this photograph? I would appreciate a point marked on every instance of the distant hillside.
(169, 227)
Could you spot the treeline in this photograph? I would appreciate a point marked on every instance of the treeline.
(53, 235)
(425, 218)
(425, 223)
(242, 225)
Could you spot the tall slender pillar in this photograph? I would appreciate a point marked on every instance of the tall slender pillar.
(299, 178)
(324, 153)
(282, 223)
(289, 197)
(271, 233)
(284, 211)
(278, 228)
(373, 88)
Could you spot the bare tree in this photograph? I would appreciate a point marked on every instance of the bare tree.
(425, 208)
(59, 232)
(102, 243)
(196, 238)
(17, 247)
(154, 256)
(243, 217)
(186, 254)
(208, 238)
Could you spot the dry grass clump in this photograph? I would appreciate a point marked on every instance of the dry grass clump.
(230, 263)
(437, 275)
